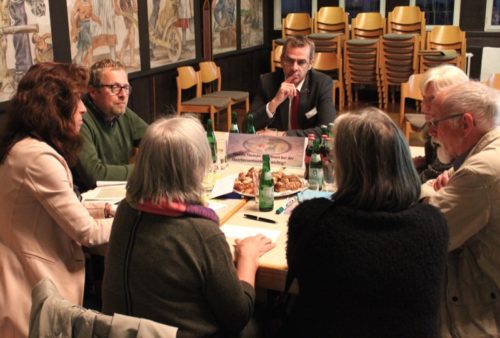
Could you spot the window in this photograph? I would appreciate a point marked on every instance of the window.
(439, 12)
(492, 19)
(353, 7)
(282, 8)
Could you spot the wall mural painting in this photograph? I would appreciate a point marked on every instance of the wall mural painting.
(171, 31)
(223, 26)
(252, 26)
(25, 39)
(104, 29)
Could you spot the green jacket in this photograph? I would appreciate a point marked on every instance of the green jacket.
(106, 147)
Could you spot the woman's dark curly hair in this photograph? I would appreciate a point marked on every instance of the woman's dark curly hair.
(43, 108)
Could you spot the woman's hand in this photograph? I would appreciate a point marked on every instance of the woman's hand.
(247, 252)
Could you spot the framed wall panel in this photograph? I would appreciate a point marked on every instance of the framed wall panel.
(25, 39)
(224, 38)
(492, 17)
(101, 29)
(171, 30)
(252, 23)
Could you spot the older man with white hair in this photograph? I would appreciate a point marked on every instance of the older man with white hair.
(465, 120)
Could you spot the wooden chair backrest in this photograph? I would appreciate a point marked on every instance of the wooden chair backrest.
(367, 26)
(296, 24)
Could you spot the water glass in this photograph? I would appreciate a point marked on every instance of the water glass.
(328, 176)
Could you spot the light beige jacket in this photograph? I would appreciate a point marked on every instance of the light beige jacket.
(53, 316)
(42, 228)
(471, 205)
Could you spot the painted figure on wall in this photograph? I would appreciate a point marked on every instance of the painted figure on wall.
(17, 47)
(224, 25)
(128, 9)
(104, 34)
(171, 31)
(252, 30)
(104, 29)
(81, 16)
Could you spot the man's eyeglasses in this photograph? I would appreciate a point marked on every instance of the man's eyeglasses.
(434, 122)
(116, 88)
(289, 61)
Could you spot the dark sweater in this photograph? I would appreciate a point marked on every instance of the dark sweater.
(367, 274)
(180, 273)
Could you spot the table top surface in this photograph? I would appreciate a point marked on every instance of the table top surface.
(231, 212)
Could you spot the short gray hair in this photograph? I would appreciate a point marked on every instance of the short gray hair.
(373, 165)
(472, 97)
(442, 76)
(172, 161)
(97, 69)
(299, 41)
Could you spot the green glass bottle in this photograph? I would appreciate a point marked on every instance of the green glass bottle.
(249, 128)
(212, 141)
(266, 186)
(316, 169)
(234, 123)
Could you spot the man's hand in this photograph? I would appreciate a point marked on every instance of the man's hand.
(441, 181)
(287, 90)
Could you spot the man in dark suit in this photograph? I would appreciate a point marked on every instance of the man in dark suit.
(295, 99)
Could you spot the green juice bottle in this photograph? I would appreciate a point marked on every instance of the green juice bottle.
(212, 141)
(266, 186)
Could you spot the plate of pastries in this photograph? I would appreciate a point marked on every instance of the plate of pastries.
(284, 184)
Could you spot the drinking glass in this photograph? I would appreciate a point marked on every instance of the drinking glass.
(328, 176)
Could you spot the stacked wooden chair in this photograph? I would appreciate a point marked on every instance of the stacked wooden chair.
(361, 54)
(444, 44)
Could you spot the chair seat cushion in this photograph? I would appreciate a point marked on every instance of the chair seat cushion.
(234, 95)
(394, 36)
(323, 36)
(279, 41)
(361, 42)
(417, 121)
(218, 102)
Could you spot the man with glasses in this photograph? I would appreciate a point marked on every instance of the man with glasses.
(110, 130)
(295, 99)
(465, 120)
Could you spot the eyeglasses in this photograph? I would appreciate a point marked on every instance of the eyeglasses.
(434, 122)
(116, 88)
(289, 61)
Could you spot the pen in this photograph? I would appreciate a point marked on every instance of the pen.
(258, 218)
(288, 203)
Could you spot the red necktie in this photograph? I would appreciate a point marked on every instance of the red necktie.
(294, 111)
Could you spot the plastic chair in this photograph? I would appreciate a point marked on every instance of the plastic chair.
(188, 78)
(407, 20)
(411, 90)
(211, 77)
(367, 26)
(444, 38)
(361, 60)
(331, 63)
(398, 60)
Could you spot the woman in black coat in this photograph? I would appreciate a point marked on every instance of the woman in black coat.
(369, 262)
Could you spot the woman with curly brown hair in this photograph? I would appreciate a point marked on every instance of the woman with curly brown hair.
(43, 225)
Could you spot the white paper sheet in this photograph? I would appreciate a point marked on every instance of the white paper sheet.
(238, 231)
(223, 186)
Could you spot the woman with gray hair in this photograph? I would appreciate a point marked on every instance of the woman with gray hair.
(372, 252)
(168, 261)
